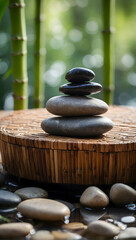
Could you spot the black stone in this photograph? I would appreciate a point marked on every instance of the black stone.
(80, 89)
(77, 126)
(77, 75)
(8, 199)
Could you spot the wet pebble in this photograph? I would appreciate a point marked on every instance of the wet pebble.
(79, 74)
(42, 235)
(128, 219)
(102, 228)
(129, 233)
(20, 229)
(8, 199)
(65, 235)
(121, 194)
(31, 192)
(43, 209)
(93, 197)
(76, 106)
(73, 226)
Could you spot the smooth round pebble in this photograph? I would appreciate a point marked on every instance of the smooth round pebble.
(102, 228)
(43, 209)
(73, 226)
(128, 233)
(65, 235)
(42, 235)
(8, 199)
(128, 219)
(79, 74)
(80, 89)
(121, 194)
(11, 230)
(71, 106)
(93, 197)
(77, 126)
(31, 192)
(2, 179)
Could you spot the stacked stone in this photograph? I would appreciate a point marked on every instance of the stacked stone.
(78, 113)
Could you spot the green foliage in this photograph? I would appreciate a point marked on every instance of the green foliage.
(3, 5)
(65, 19)
(4, 219)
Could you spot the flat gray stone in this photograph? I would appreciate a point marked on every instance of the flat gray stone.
(8, 199)
(79, 74)
(31, 192)
(77, 126)
(43, 209)
(10, 230)
(80, 89)
(76, 106)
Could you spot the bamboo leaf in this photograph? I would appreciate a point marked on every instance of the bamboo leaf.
(3, 5)
(3, 219)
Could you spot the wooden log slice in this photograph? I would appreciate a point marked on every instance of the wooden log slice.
(28, 152)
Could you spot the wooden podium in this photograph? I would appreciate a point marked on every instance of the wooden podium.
(28, 152)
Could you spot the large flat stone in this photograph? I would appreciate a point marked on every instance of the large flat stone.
(76, 106)
(77, 126)
(43, 209)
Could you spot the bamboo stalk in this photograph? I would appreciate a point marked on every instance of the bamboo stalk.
(108, 20)
(39, 53)
(19, 53)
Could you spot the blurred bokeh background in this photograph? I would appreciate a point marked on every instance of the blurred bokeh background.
(74, 38)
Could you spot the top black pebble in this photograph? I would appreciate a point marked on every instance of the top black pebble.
(79, 75)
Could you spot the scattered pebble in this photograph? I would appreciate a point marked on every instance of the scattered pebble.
(128, 219)
(121, 194)
(42, 235)
(8, 199)
(74, 226)
(43, 209)
(19, 229)
(93, 197)
(31, 192)
(102, 228)
(65, 235)
(129, 233)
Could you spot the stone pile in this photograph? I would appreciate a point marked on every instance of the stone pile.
(78, 113)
